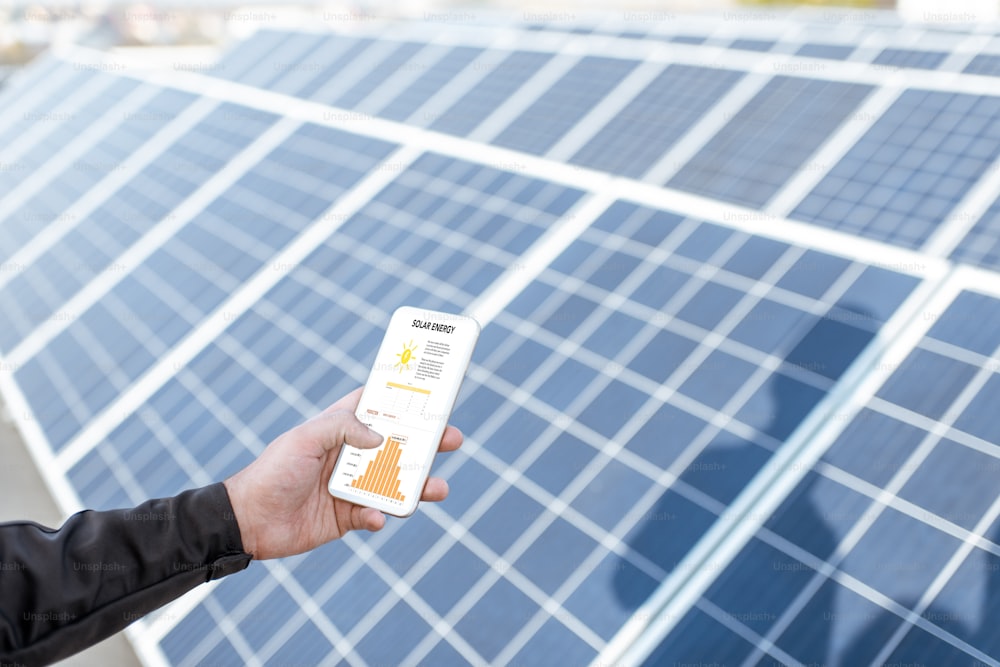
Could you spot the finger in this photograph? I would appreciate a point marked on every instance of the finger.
(435, 490)
(366, 518)
(333, 429)
(451, 440)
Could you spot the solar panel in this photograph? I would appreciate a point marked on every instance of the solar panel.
(910, 58)
(655, 119)
(430, 82)
(900, 181)
(879, 554)
(769, 139)
(828, 51)
(542, 124)
(710, 420)
(987, 64)
(506, 75)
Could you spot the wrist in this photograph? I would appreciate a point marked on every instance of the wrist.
(240, 514)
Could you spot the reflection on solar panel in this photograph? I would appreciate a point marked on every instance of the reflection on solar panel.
(732, 399)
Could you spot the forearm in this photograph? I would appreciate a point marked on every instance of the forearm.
(63, 590)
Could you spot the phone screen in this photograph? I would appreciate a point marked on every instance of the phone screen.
(408, 398)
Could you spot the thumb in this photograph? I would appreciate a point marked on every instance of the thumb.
(333, 429)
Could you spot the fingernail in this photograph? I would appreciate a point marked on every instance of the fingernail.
(376, 434)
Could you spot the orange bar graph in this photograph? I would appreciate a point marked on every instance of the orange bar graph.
(382, 474)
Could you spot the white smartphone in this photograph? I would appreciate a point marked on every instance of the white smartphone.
(408, 398)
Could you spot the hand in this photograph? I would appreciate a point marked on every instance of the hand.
(281, 501)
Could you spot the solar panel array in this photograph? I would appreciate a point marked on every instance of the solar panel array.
(732, 398)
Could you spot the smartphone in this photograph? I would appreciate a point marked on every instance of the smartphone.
(408, 398)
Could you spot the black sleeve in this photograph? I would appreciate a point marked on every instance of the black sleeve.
(64, 590)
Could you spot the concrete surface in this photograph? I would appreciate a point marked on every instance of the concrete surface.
(23, 495)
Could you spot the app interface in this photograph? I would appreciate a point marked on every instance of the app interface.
(411, 389)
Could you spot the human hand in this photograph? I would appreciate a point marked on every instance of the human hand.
(281, 501)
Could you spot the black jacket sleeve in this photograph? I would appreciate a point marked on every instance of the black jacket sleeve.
(64, 590)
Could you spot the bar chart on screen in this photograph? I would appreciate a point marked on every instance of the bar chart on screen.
(382, 474)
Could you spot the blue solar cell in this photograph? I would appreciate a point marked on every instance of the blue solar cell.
(409, 628)
(444, 653)
(612, 408)
(976, 418)
(981, 245)
(837, 626)
(559, 108)
(688, 39)
(522, 427)
(669, 529)
(495, 529)
(327, 73)
(781, 405)
(904, 176)
(655, 119)
(652, 443)
(965, 608)
(562, 386)
(755, 257)
(659, 287)
(224, 653)
(408, 101)
(502, 77)
(813, 274)
(827, 51)
(374, 78)
(51, 107)
(769, 139)
(900, 556)
(709, 305)
(872, 299)
(700, 639)
(922, 645)
(363, 588)
(615, 487)
(450, 577)
(495, 619)
(770, 326)
(308, 646)
(605, 613)
(552, 639)
(560, 463)
(760, 45)
(927, 382)
(717, 379)
(759, 585)
(853, 453)
(570, 314)
(892, 58)
(965, 503)
(191, 629)
(259, 623)
(618, 331)
(817, 515)
(549, 573)
(725, 467)
(986, 64)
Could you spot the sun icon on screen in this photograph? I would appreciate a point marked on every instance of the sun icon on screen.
(406, 356)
